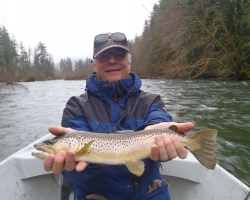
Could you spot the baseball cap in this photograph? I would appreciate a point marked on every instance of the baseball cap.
(105, 41)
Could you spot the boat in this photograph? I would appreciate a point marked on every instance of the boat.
(24, 178)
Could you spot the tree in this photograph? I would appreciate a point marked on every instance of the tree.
(65, 65)
(23, 60)
(42, 57)
(68, 64)
(17, 63)
(78, 64)
(1, 48)
(87, 61)
(218, 41)
(196, 38)
(8, 52)
(50, 69)
(43, 61)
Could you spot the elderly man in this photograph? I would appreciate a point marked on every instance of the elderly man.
(113, 102)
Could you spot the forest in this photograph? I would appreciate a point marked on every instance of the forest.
(195, 39)
(18, 64)
(181, 39)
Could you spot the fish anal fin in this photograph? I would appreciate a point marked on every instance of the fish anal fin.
(206, 153)
(84, 149)
(136, 167)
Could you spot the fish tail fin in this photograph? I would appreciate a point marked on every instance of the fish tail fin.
(205, 152)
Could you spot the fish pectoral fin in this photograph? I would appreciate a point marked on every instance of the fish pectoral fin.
(84, 149)
(135, 167)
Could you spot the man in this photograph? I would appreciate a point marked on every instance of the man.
(113, 102)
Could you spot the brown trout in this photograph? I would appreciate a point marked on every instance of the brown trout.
(128, 148)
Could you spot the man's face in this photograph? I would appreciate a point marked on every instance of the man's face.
(112, 65)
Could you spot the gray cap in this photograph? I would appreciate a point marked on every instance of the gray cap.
(110, 43)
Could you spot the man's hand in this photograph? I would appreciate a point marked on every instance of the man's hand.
(62, 160)
(167, 147)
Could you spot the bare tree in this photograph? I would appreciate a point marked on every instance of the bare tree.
(7, 83)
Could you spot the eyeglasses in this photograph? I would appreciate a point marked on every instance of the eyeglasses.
(117, 37)
(119, 55)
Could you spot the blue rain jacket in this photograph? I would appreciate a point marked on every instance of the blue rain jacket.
(109, 107)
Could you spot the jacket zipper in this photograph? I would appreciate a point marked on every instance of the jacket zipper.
(115, 98)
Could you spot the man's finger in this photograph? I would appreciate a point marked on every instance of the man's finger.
(154, 153)
(81, 166)
(59, 160)
(180, 149)
(70, 163)
(59, 130)
(181, 127)
(184, 127)
(169, 146)
(48, 162)
(162, 143)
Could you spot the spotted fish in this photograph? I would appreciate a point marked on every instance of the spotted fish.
(129, 148)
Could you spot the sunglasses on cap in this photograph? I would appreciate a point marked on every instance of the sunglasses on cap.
(116, 37)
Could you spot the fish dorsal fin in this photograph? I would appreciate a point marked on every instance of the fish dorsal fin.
(84, 149)
(135, 167)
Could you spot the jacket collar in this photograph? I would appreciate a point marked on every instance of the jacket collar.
(105, 89)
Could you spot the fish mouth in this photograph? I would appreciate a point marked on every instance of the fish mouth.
(40, 154)
(45, 148)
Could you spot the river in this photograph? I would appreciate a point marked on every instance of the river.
(223, 105)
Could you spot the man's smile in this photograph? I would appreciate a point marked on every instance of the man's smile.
(112, 70)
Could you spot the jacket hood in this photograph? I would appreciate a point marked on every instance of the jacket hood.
(124, 88)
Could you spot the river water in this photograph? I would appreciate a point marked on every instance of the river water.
(223, 105)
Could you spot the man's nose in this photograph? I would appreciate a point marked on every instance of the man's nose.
(112, 58)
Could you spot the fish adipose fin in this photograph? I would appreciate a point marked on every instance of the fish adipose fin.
(206, 153)
(84, 149)
(136, 167)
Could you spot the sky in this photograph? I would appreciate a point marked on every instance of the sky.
(67, 27)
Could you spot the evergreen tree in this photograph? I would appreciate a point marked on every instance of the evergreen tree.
(68, 64)
(65, 65)
(2, 60)
(9, 52)
(42, 57)
(78, 64)
(17, 62)
(87, 61)
(195, 38)
(23, 60)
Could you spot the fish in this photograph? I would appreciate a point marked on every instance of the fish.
(128, 148)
